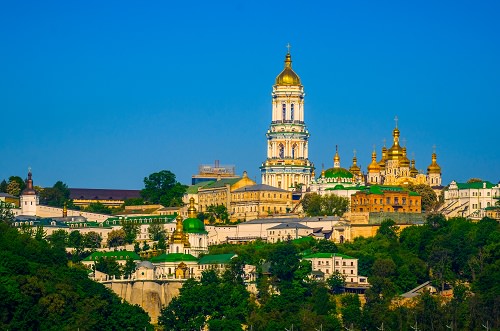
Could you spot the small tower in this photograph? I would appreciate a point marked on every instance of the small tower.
(434, 172)
(195, 232)
(179, 242)
(65, 209)
(29, 198)
(355, 169)
(374, 176)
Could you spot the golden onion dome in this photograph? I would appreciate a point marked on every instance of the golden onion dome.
(374, 166)
(405, 162)
(288, 76)
(381, 163)
(191, 209)
(395, 152)
(434, 168)
(413, 170)
(355, 169)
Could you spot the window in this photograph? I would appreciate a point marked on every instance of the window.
(281, 151)
(284, 112)
(387, 201)
(291, 111)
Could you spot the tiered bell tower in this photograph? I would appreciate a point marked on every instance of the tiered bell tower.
(287, 163)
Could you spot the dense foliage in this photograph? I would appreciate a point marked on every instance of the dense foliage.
(162, 187)
(326, 205)
(455, 253)
(39, 291)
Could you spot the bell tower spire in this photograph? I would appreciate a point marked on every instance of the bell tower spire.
(287, 163)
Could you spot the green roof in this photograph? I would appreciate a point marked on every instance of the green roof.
(193, 225)
(475, 185)
(119, 255)
(327, 256)
(380, 189)
(222, 182)
(140, 219)
(173, 257)
(217, 258)
(338, 172)
(193, 189)
(342, 187)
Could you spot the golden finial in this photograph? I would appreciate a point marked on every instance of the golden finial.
(191, 209)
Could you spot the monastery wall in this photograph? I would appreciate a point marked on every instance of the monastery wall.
(46, 211)
(151, 295)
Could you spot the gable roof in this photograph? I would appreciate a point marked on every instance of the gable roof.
(119, 255)
(475, 185)
(173, 257)
(291, 225)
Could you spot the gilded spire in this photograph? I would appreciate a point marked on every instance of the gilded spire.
(413, 170)
(65, 209)
(191, 209)
(336, 158)
(178, 235)
(355, 169)
(288, 76)
(434, 168)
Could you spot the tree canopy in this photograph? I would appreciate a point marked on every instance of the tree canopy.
(162, 187)
(326, 205)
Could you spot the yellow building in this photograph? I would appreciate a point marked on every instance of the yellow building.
(219, 192)
(254, 201)
(378, 198)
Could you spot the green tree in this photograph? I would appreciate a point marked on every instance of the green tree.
(13, 188)
(131, 231)
(352, 315)
(336, 282)
(58, 238)
(109, 266)
(116, 238)
(3, 186)
(325, 246)
(6, 214)
(311, 203)
(156, 231)
(284, 261)
(40, 233)
(162, 187)
(98, 207)
(92, 240)
(129, 267)
(56, 195)
(217, 213)
(75, 240)
(429, 197)
(334, 205)
(388, 229)
(134, 202)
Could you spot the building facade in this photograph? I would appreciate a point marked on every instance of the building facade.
(254, 201)
(287, 165)
(383, 198)
(470, 199)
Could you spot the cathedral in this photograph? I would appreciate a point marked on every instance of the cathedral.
(394, 169)
(287, 165)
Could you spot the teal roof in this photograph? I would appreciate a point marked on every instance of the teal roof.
(338, 172)
(193, 225)
(327, 256)
(119, 255)
(217, 258)
(173, 257)
(222, 182)
(475, 185)
(342, 187)
(193, 189)
(139, 219)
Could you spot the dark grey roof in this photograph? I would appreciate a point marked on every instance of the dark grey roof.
(292, 219)
(293, 225)
(259, 187)
(102, 194)
(7, 195)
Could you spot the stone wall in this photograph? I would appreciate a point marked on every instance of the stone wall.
(150, 295)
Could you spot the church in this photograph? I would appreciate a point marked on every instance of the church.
(287, 165)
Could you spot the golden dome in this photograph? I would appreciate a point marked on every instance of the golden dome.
(381, 163)
(191, 209)
(405, 162)
(413, 170)
(434, 168)
(288, 76)
(355, 169)
(374, 166)
(395, 152)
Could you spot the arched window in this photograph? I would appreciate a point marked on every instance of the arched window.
(291, 111)
(283, 108)
(282, 151)
(294, 148)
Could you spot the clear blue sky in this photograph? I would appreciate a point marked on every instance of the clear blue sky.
(102, 93)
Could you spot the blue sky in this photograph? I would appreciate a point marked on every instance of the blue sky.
(102, 93)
